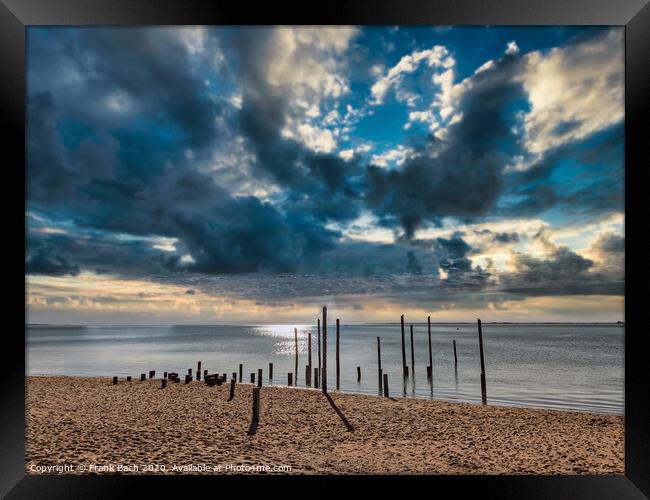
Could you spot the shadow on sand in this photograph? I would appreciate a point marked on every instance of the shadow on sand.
(338, 411)
(253, 428)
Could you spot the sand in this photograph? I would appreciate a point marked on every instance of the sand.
(195, 429)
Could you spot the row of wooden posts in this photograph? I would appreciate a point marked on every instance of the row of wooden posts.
(320, 373)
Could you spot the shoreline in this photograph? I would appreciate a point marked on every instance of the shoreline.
(73, 420)
(476, 402)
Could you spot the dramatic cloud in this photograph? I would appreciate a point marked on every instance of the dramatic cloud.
(461, 175)
(247, 168)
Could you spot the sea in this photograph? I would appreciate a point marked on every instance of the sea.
(563, 366)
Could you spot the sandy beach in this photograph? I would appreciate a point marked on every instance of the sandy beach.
(88, 421)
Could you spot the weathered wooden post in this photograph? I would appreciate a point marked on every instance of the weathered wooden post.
(324, 374)
(252, 378)
(319, 353)
(232, 388)
(480, 343)
(404, 369)
(290, 379)
(188, 379)
(152, 373)
(142, 377)
(315, 378)
(256, 404)
(128, 379)
(270, 372)
(358, 374)
(430, 369)
(189, 372)
(338, 364)
(198, 371)
(308, 378)
(455, 357)
(295, 333)
(114, 380)
(163, 383)
(241, 369)
(164, 374)
(205, 374)
(379, 363)
(386, 385)
(412, 355)
(259, 377)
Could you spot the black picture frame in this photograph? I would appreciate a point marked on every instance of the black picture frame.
(16, 15)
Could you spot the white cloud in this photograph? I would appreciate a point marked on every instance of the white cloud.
(574, 90)
(394, 156)
(317, 139)
(347, 154)
(437, 56)
(512, 48)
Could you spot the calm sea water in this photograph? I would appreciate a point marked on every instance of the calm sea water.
(560, 366)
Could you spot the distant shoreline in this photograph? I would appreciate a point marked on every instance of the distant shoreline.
(420, 323)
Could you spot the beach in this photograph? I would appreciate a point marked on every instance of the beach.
(193, 428)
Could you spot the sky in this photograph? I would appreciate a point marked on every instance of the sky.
(251, 175)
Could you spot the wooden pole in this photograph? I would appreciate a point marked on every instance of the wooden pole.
(455, 357)
(165, 375)
(152, 373)
(386, 385)
(252, 378)
(198, 371)
(480, 343)
(232, 388)
(358, 374)
(430, 374)
(256, 404)
(323, 381)
(308, 380)
(163, 383)
(319, 353)
(307, 376)
(241, 369)
(290, 377)
(114, 380)
(295, 332)
(404, 371)
(379, 363)
(142, 377)
(128, 379)
(338, 363)
(412, 355)
(270, 372)
(315, 378)
(259, 377)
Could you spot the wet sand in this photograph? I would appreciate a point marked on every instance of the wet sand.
(88, 421)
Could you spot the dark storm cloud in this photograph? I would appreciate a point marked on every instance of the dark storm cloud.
(595, 187)
(45, 258)
(462, 175)
(142, 183)
(323, 184)
(563, 272)
(103, 253)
